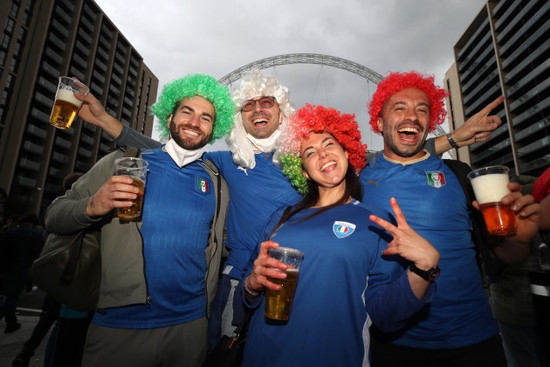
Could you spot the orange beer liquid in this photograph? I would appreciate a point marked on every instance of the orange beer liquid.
(279, 303)
(133, 212)
(63, 114)
(500, 219)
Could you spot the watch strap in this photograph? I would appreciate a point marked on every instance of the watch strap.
(452, 141)
(430, 275)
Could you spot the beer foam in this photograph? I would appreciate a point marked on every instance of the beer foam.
(490, 188)
(68, 96)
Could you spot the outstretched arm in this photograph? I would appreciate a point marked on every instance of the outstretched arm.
(478, 128)
(93, 112)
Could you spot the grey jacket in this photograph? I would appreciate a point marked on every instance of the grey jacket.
(123, 273)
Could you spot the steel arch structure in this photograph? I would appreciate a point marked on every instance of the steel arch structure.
(303, 58)
(309, 58)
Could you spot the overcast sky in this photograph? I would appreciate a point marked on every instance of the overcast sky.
(215, 37)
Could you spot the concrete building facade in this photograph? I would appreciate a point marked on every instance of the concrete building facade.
(42, 40)
(505, 51)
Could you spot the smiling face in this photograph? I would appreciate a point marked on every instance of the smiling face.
(324, 160)
(192, 122)
(404, 122)
(261, 122)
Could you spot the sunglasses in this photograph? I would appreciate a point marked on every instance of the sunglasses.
(265, 102)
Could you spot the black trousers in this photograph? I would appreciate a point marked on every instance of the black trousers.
(488, 353)
(50, 313)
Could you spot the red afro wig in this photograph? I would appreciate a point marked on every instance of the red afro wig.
(319, 119)
(395, 82)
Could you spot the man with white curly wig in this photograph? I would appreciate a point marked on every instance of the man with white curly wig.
(256, 184)
(263, 106)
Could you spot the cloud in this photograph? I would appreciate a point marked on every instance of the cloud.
(215, 37)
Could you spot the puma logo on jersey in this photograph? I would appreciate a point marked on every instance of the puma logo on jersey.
(375, 183)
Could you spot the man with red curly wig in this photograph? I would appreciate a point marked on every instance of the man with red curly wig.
(458, 328)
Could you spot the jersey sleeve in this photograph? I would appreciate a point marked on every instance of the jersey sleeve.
(130, 137)
(389, 299)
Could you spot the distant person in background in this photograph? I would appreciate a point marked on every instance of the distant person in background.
(511, 300)
(48, 316)
(540, 282)
(3, 200)
(72, 325)
(541, 193)
(22, 246)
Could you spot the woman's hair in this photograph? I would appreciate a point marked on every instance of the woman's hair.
(195, 85)
(353, 189)
(396, 82)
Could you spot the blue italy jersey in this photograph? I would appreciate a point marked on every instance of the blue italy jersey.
(179, 206)
(434, 205)
(255, 194)
(342, 273)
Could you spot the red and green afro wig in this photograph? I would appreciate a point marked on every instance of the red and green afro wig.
(395, 82)
(319, 119)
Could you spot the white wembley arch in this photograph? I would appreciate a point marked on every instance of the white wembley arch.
(310, 58)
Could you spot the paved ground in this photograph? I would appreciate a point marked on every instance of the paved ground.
(28, 308)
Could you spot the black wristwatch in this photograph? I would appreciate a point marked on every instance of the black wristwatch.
(430, 275)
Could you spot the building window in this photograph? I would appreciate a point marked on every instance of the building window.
(14, 8)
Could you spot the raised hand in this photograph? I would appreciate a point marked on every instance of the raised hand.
(94, 113)
(406, 242)
(478, 127)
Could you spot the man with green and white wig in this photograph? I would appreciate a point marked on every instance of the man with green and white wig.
(159, 274)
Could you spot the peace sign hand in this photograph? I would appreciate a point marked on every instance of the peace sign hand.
(406, 242)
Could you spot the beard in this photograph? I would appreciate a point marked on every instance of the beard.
(185, 144)
(391, 140)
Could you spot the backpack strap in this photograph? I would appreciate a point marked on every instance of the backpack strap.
(131, 151)
(479, 230)
(217, 235)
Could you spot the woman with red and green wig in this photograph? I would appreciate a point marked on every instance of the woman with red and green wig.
(352, 273)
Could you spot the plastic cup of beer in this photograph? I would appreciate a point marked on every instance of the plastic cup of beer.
(66, 105)
(136, 169)
(490, 185)
(279, 303)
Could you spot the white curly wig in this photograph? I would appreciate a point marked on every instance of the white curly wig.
(254, 84)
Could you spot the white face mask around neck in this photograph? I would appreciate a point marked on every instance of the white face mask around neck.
(181, 156)
(264, 145)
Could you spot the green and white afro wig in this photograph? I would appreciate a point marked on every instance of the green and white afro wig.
(190, 86)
